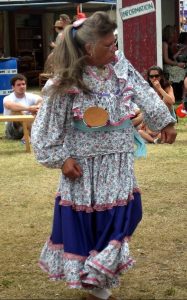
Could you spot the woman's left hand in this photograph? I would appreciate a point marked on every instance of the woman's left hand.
(168, 134)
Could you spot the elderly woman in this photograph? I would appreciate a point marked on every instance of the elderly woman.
(84, 129)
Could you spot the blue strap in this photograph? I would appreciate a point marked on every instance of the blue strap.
(140, 151)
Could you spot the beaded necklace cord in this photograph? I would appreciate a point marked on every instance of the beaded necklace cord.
(97, 115)
(101, 74)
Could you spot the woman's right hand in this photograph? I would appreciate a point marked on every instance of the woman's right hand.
(71, 169)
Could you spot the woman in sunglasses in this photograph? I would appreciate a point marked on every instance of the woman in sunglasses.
(162, 86)
(157, 80)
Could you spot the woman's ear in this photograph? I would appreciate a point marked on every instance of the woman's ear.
(89, 49)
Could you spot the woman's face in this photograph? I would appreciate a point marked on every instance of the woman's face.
(154, 75)
(103, 51)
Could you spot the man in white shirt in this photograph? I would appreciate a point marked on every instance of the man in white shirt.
(19, 102)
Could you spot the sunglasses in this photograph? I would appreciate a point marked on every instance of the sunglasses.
(58, 27)
(154, 76)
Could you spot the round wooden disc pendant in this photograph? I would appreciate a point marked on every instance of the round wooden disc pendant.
(95, 116)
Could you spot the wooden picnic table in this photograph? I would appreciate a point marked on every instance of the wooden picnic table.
(24, 119)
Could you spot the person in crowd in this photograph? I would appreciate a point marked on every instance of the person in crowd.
(19, 102)
(175, 69)
(148, 135)
(59, 30)
(185, 25)
(137, 119)
(182, 46)
(84, 129)
(162, 86)
(185, 94)
(173, 64)
(157, 80)
(49, 61)
(65, 20)
(59, 26)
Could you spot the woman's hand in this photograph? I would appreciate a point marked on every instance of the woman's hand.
(181, 65)
(52, 45)
(71, 169)
(156, 85)
(178, 53)
(33, 109)
(168, 134)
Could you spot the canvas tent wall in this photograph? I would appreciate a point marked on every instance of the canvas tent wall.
(49, 11)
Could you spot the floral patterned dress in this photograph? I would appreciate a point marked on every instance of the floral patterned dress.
(95, 215)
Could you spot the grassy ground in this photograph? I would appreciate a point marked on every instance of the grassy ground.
(27, 193)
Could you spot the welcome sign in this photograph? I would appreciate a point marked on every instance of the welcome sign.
(137, 10)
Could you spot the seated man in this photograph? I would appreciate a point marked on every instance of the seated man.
(19, 102)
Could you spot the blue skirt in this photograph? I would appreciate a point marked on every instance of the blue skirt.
(91, 249)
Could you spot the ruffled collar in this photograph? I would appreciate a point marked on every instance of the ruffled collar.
(99, 74)
(120, 68)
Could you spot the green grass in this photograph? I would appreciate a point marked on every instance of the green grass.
(27, 192)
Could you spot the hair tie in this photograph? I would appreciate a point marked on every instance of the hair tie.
(73, 32)
(76, 25)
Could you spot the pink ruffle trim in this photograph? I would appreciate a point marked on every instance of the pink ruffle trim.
(85, 280)
(70, 256)
(97, 207)
(121, 120)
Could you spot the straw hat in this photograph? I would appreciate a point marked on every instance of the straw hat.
(65, 18)
(58, 23)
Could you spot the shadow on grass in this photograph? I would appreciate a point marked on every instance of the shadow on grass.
(13, 152)
(182, 142)
(11, 147)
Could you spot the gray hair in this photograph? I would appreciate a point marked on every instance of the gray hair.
(69, 57)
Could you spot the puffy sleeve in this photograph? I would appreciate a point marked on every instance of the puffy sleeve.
(48, 136)
(156, 113)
